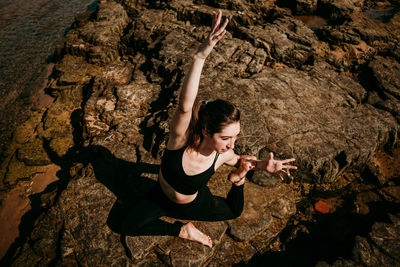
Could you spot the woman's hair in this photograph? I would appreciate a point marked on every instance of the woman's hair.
(211, 116)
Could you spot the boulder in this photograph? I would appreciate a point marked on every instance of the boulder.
(280, 115)
(74, 70)
(386, 72)
(115, 112)
(285, 40)
(98, 39)
(384, 76)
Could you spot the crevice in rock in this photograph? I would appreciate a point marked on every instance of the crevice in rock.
(128, 252)
(367, 80)
(341, 159)
(164, 257)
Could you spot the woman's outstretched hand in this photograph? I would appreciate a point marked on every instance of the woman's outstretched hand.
(216, 33)
(276, 167)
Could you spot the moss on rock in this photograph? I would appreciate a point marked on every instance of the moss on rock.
(75, 70)
(26, 131)
(17, 170)
(33, 154)
(61, 145)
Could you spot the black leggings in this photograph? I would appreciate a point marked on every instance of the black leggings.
(143, 217)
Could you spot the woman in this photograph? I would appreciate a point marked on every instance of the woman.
(202, 138)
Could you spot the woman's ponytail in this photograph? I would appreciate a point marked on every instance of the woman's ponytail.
(194, 131)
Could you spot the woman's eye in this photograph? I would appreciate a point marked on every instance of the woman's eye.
(225, 138)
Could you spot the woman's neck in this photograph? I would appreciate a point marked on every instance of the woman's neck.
(205, 149)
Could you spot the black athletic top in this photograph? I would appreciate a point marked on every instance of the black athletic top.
(173, 173)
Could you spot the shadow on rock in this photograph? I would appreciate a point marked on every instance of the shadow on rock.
(122, 178)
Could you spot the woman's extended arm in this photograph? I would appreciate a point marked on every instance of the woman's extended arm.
(181, 119)
(246, 163)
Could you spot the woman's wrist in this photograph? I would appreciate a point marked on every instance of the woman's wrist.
(199, 57)
(239, 174)
(260, 164)
(237, 178)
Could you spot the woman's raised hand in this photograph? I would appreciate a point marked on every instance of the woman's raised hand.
(216, 33)
(246, 163)
(276, 167)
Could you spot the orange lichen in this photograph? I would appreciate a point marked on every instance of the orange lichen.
(322, 206)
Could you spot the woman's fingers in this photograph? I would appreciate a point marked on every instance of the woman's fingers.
(289, 167)
(248, 162)
(217, 31)
(249, 157)
(222, 28)
(288, 160)
(280, 176)
(217, 21)
(285, 172)
(214, 20)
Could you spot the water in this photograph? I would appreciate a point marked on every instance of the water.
(312, 21)
(382, 14)
(30, 31)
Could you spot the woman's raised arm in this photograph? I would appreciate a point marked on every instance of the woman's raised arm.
(181, 119)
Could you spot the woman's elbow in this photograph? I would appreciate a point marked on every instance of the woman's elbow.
(185, 109)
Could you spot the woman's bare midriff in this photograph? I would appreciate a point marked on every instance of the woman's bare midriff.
(172, 194)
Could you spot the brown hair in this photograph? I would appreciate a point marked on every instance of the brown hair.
(212, 117)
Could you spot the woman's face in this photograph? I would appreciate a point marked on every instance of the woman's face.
(225, 140)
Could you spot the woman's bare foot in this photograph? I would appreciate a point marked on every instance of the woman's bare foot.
(190, 232)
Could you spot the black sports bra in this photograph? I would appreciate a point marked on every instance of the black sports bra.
(173, 173)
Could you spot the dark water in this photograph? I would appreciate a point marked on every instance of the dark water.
(312, 21)
(30, 31)
(382, 14)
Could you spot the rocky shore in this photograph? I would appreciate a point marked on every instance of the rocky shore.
(327, 94)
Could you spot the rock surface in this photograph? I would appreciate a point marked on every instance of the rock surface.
(379, 248)
(328, 96)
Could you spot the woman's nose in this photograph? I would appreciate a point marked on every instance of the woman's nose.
(232, 144)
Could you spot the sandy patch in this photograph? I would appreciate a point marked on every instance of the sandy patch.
(16, 203)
